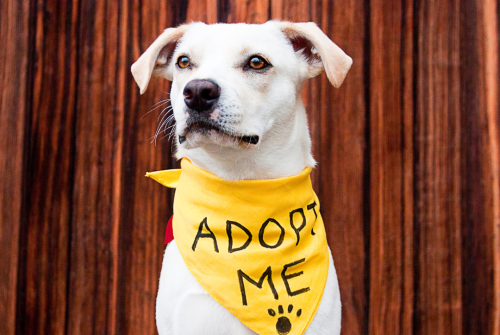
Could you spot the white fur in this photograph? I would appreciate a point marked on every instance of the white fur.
(267, 104)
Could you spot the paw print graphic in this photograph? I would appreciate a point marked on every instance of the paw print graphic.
(283, 325)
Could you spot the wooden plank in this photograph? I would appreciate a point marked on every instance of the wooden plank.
(14, 109)
(98, 137)
(480, 159)
(340, 145)
(50, 159)
(491, 71)
(408, 201)
(391, 180)
(438, 172)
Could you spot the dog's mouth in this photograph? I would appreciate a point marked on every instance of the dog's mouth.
(202, 125)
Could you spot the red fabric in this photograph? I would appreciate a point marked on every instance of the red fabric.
(169, 233)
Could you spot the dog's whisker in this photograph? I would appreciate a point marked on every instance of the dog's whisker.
(158, 130)
(170, 134)
(163, 137)
(161, 101)
(168, 107)
(166, 119)
(166, 125)
(152, 110)
(156, 106)
(168, 128)
(170, 118)
(163, 119)
(164, 112)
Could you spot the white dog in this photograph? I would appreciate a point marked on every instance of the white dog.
(236, 97)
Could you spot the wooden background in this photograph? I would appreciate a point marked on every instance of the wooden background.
(408, 151)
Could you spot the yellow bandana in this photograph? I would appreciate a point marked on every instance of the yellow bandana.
(257, 246)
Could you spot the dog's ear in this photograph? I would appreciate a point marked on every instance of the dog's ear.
(155, 60)
(320, 52)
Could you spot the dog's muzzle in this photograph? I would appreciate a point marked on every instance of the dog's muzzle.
(200, 96)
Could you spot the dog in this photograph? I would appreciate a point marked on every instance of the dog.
(236, 98)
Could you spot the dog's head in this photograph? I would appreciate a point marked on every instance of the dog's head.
(236, 86)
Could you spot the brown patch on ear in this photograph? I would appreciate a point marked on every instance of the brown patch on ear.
(157, 56)
(320, 52)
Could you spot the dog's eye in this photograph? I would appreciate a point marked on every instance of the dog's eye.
(183, 62)
(257, 62)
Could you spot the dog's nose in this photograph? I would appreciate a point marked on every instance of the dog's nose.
(201, 94)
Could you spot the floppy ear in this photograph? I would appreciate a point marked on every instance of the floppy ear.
(320, 52)
(157, 57)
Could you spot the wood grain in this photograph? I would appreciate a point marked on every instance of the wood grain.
(14, 110)
(97, 174)
(338, 121)
(391, 181)
(491, 73)
(408, 153)
(49, 183)
(249, 11)
(479, 138)
(438, 214)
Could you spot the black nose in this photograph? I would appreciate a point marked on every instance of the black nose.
(201, 94)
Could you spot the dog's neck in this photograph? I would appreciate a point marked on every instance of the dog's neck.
(284, 151)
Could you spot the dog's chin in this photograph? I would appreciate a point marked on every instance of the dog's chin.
(203, 137)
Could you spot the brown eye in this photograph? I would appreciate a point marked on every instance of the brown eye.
(183, 62)
(257, 62)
